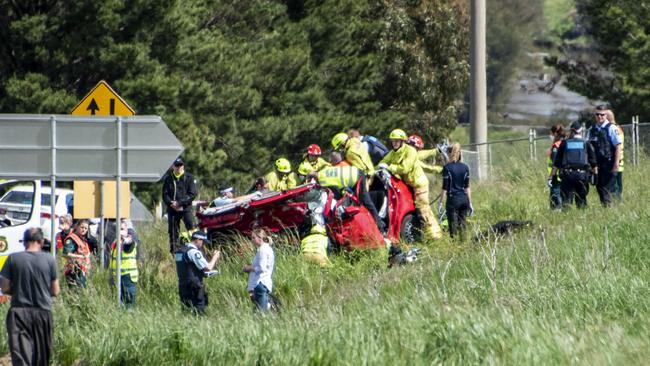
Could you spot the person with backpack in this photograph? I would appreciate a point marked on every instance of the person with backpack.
(376, 149)
(574, 159)
(607, 143)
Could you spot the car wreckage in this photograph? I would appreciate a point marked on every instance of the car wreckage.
(349, 224)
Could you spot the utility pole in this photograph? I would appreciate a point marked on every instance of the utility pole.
(478, 88)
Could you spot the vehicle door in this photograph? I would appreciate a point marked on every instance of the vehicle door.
(20, 209)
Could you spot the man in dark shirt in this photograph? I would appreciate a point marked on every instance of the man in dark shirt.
(574, 159)
(179, 190)
(30, 277)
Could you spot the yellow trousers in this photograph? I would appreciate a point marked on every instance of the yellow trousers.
(430, 227)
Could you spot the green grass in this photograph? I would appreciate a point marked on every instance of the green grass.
(572, 290)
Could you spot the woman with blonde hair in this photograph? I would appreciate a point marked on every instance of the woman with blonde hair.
(260, 271)
(456, 191)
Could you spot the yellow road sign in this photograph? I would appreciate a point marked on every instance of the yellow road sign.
(103, 101)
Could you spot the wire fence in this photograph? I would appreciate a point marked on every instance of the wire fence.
(535, 148)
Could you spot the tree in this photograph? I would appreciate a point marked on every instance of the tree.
(242, 83)
(618, 72)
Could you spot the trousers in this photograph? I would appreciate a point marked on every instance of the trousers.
(174, 226)
(431, 229)
(575, 183)
(29, 334)
(457, 209)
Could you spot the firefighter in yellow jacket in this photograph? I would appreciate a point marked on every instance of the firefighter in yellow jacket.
(424, 154)
(282, 178)
(355, 153)
(314, 246)
(312, 157)
(403, 162)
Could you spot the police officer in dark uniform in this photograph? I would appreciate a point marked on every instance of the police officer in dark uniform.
(179, 190)
(604, 137)
(192, 267)
(575, 158)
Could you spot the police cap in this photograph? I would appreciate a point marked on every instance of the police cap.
(201, 235)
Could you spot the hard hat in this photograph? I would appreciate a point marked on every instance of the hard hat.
(305, 168)
(397, 134)
(339, 139)
(415, 140)
(318, 229)
(283, 165)
(313, 149)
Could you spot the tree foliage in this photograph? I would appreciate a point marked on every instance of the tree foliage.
(511, 25)
(618, 72)
(242, 83)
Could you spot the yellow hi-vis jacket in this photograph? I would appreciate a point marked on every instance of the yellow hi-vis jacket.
(621, 164)
(357, 155)
(281, 183)
(129, 265)
(405, 164)
(339, 177)
(314, 243)
(423, 155)
(318, 165)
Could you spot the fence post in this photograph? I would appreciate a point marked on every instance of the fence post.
(637, 146)
(534, 144)
(633, 142)
(489, 146)
(531, 139)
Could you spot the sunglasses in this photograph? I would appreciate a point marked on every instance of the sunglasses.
(599, 114)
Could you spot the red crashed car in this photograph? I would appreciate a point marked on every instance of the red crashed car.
(349, 224)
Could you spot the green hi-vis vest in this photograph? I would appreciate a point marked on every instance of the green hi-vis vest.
(129, 262)
(314, 243)
(339, 176)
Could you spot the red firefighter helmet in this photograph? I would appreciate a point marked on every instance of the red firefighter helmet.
(313, 149)
(416, 141)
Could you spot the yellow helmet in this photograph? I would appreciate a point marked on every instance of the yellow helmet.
(339, 139)
(283, 165)
(305, 168)
(398, 134)
(318, 229)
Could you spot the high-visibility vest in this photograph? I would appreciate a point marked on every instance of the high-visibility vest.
(74, 264)
(339, 177)
(314, 243)
(550, 154)
(129, 265)
(621, 165)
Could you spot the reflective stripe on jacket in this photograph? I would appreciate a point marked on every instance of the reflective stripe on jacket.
(129, 265)
(314, 243)
(339, 177)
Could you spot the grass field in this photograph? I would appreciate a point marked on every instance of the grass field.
(571, 290)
